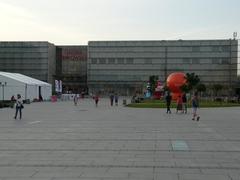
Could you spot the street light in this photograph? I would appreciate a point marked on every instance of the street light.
(3, 84)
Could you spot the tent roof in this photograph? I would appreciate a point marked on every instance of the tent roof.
(24, 79)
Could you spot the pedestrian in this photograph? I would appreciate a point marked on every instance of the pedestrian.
(96, 98)
(111, 99)
(116, 99)
(168, 102)
(40, 98)
(179, 103)
(184, 102)
(195, 106)
(13, 100)
(19, 106)
(75, 99)
(82, 94)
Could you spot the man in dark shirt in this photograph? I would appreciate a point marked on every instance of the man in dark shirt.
(168, 101)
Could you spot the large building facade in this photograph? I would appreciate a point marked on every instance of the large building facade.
(122, 66)
(34, 59)
(125, 66)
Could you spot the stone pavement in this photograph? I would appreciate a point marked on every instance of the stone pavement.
(60, 141)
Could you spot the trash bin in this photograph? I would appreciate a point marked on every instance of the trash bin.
(124, 102)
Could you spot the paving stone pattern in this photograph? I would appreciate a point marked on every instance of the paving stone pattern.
(60, 141)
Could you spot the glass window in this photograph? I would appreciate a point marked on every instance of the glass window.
(187, 61)
(215, 61)
(225, 61)
(94, 61)
(196, 60)
(102, 61)
(225, 48)
(195, 49)
(120, 61)
(215, 48)
(111, 61)
(148, 61)
(129, 60)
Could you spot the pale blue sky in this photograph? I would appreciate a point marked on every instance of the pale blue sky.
(79, 21)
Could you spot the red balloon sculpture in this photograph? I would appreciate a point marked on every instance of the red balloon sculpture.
(174, 82)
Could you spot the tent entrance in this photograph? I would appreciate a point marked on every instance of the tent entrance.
(40, 93)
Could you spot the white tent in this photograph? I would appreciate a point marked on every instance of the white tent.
(29, 88)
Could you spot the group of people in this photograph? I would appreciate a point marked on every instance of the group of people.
(113, 98)
(182, 104)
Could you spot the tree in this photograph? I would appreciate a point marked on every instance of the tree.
(216, 88)
(153, 81)
(192, 81)
(185, 88)
(201, 87)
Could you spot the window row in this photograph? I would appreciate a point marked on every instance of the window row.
(159, 61)
(112, 61)
(21, 62)
(205, 77)
(24, 55)
(225, 48)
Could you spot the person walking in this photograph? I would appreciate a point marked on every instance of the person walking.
(195, 106)
(75, 99)
(179, 104)
(13, 100)
(168, 102)
(111, 99)
(116, 99)
(184, 102)
(19, 106)
(96, 98)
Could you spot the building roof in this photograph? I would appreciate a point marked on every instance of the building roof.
(24, 79)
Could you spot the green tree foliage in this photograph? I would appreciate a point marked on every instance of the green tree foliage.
(185, 88)
(201, 87)
(192, 81)
(153, 81)
(216, 88)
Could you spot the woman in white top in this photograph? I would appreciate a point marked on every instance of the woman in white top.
(19, 106)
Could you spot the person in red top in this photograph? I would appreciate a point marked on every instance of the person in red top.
(179, 103)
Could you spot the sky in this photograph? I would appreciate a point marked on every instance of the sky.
(75, 22)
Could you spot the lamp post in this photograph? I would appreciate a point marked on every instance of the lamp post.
(166, 64)
(3, 84)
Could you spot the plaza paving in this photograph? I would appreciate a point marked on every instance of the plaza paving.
(63, 141)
